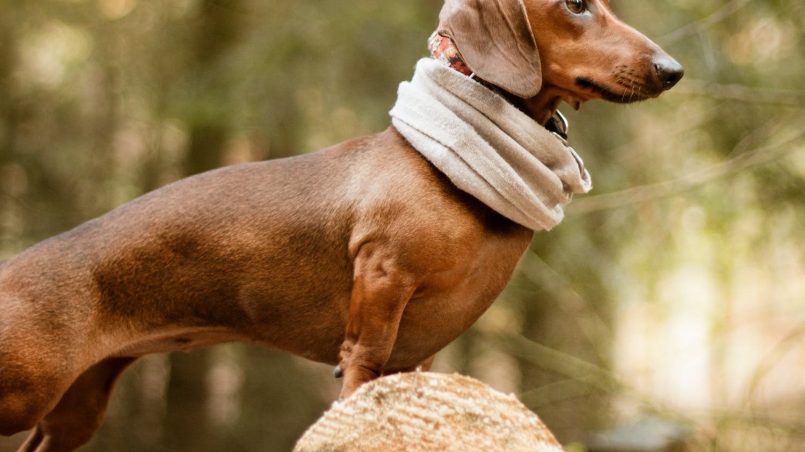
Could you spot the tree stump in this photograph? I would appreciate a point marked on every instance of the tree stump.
(418, 412)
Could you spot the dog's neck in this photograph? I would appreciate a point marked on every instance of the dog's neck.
(487, 147)
(543, 108)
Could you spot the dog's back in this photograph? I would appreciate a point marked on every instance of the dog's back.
(243, 252)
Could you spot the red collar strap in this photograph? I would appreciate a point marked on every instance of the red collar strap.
(443, 49)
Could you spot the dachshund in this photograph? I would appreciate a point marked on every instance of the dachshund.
(361, 255)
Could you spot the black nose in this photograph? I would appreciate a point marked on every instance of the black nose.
(669, 72)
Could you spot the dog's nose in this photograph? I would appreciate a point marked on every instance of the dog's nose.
(668, 70)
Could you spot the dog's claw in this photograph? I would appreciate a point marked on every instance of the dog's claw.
(338, 372)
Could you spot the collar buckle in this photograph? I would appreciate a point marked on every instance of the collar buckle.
(558, 125)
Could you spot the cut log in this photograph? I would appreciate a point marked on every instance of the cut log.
(418, 412)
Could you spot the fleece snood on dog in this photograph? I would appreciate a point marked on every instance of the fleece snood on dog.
(487, 147)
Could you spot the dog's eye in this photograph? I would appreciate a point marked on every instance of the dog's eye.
(576, 6)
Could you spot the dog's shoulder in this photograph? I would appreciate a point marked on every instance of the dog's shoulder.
(390, 175)
(401, 195)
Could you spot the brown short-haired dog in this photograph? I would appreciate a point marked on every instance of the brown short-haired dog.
(361, 255)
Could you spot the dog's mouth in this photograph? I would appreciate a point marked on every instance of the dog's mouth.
(633, 92)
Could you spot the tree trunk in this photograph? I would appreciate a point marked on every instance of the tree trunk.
(418, 412)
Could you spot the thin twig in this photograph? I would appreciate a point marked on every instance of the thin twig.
(659, 190)
(752, 419)
(702, 24)
(743, 93)
(598, 324)
(597, 379)
(558, 362)
(792, 339)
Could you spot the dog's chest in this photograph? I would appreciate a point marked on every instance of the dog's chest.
(449, 302)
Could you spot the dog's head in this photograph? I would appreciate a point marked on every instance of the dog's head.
(546, 51)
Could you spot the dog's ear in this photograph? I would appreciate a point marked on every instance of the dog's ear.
(496, 41)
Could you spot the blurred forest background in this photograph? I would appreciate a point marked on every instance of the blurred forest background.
(675, 291)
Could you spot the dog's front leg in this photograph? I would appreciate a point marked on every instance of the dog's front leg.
(381, 289)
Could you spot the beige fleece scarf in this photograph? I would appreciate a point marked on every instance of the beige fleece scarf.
(487, 147)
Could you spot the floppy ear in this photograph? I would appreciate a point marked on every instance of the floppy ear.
(496, 41)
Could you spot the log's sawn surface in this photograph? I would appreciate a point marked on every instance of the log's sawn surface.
(420, 411)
